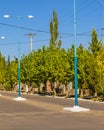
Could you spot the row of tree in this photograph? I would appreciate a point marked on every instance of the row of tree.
(57, 64)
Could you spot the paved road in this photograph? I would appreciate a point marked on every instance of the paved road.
(46, 113)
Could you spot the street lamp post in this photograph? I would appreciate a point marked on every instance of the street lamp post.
(2, 37)
(19, 76)
(19, 89)
(76, 108)
(75, 59)
(102, 3)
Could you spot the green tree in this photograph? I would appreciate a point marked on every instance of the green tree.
(70, 55)
(54, 31)
(100, 69)
(8, 83)
(11, 74)
(81, 52)
(95, 45)
(94, 48)
(45, 64)
(2, 69)
(57, 64)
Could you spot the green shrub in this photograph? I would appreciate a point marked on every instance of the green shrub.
(7, 86)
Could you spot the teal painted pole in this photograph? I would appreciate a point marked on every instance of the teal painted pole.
(19, 87)
(18, 18)
(75, 59)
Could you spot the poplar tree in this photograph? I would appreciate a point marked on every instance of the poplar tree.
(54, 31)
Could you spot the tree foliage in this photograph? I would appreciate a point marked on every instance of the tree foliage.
(54, 32)
(2, 69)
(95, 45)
(57, 64)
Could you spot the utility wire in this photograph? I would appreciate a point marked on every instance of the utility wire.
(24, 28)
(15, 43)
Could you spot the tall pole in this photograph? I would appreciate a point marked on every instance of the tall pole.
(30, 36)
(103, 39)
(76, 108)
(19, 89)
(19, 76)
(75, 58)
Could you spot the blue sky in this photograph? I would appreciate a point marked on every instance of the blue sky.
(89, 15)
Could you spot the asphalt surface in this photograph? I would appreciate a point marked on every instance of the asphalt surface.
(46, 113)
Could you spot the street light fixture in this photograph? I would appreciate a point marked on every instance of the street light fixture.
(30, 16)
(18, 18)
(6, 16)
(2, 37)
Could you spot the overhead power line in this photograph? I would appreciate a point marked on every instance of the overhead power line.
(43, 40)
(42, 31)
(24, 28)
